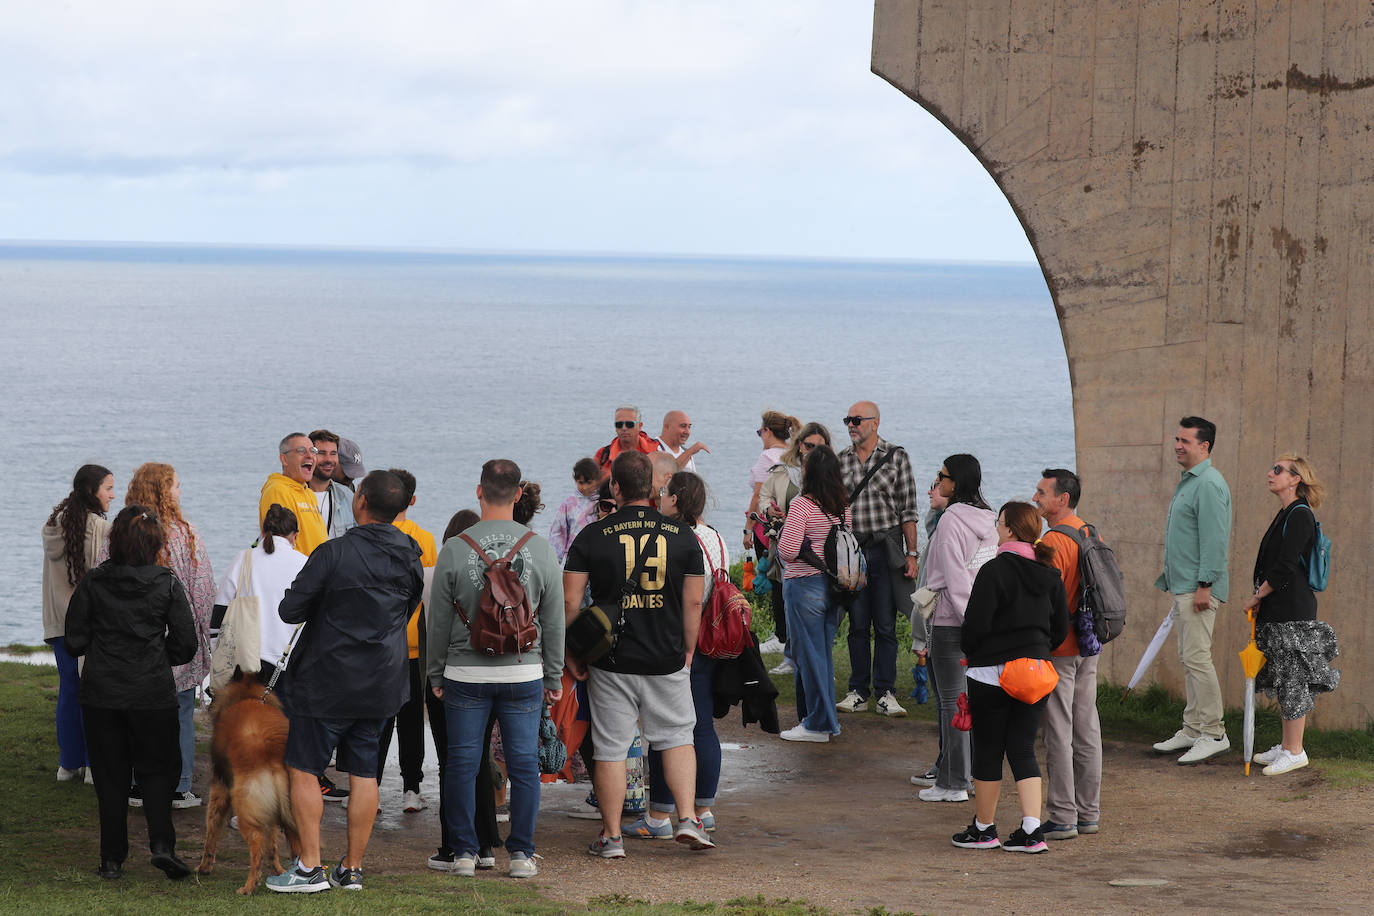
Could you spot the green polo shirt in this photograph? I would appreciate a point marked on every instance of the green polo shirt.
(1197, 535)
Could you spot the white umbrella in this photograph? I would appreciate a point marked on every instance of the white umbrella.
(1252, 659)
(1150, 652)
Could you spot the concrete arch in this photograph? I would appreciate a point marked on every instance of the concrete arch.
(1197, 180)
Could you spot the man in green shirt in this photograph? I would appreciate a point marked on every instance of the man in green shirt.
(1197, 538)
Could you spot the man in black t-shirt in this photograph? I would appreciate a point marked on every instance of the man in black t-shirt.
(644, 679)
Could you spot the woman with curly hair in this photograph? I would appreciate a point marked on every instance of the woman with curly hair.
(156, 485)
(72, 538)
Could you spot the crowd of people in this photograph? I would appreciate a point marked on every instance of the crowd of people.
(368, 626)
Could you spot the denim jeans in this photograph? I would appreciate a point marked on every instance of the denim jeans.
(186, 736)
(71, 735)
(704, 740)
(947, 677)
(874, 607)
(518, 708)
(813, 619)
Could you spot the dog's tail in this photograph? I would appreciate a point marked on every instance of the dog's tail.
(268, 794)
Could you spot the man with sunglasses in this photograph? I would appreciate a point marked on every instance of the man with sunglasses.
(288, 489)
(629, 437)
(885, 518)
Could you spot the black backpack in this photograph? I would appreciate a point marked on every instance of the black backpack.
(1101, 586)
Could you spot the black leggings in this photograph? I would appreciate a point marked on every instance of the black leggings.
(1003, 726)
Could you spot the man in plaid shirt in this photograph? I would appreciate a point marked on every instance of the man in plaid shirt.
(885, 517)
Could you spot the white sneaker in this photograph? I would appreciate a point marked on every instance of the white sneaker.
(464, 866)
(937, 794)
(1285, 762)
(522, 866)
(1181, 741)
(1269, 756)
(90, 778)
(414, 801)
(888, 705)
(234, 822)
(852, 702)
(802, 733)
(785, 667)
(1203, 749)
(185, 800)
(772, 645)
(66, 775)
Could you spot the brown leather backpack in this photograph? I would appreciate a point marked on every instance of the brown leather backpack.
(505, 622)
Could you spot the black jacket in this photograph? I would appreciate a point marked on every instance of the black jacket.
(354, 594)
(1279, 562)
(1016, 610)
(133, 624)
(744, 680)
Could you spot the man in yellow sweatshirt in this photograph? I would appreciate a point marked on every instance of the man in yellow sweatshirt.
(289, 489)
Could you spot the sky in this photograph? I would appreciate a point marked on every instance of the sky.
(749, 127)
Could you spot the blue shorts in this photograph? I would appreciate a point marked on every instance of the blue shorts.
(311, 742)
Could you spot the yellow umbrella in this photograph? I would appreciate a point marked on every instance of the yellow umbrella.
(1252, 660)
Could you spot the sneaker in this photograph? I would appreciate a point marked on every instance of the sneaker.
(772, 645)
(66, 775)
(1020, 841)
(1204, 749)
(1181, 741)
(937, 794)
(608, 847)
(852, 702)
(331, 792)
(185, 800)
(442, 860)
(641, 829)
(486, 858)
(1053, 831)
(413, 801)
(296, 881)
(234, 822)
(784, 667)
(90, 779)
(522, 866)
(925, 779)
(973, 838)
(802, 733)
(464, 866)
(690, 833)
(708, 820)
(888, 706)
(135, 797)
(1264, 757)
(1086, 828)
(1285, 762)
(348, 879)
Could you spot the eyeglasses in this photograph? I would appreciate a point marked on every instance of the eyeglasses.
(855, 421)
(1280, 469)
(626, 424)
(302, 450)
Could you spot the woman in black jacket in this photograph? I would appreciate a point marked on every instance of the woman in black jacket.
(1298, 648)
(132, 621)
(1015, 610)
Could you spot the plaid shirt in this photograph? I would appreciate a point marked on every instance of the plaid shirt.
(889, 499)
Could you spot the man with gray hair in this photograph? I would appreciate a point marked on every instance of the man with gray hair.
(629, 437)
(288, 489)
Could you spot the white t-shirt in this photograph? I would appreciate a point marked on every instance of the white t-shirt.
(691, 464)
(767, 459)
(271, 575)
(714, 552)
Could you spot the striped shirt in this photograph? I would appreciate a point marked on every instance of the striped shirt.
(806, 523)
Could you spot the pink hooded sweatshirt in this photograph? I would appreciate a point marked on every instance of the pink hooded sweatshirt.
(965, 539)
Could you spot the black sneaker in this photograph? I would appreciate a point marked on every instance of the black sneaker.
(973, 838)
(331, 792)
(442, 860)
(348, 879)
(1020, 841)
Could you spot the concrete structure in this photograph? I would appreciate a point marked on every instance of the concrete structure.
(1197, 179)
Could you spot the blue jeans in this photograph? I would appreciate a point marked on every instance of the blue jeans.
(518, 708)
(812, 619)
(874, 607)
(186, 711)
(71, 734)
(704, 739)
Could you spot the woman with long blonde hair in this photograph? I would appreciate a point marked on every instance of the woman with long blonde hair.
(157, 486)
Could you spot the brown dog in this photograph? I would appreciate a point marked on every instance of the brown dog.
(246, 754)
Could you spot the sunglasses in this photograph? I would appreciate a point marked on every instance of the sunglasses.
(808, 446)
(605, 506)
(941, 475)
(855, 421)
(1280, 469)
(626, 424)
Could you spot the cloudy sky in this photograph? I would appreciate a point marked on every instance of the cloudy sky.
(741, 127)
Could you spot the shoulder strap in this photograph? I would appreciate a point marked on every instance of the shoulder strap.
(707, 554)
(245, 573)
(882, 460)
(486, 559)
(628, 588)
(1078, 537)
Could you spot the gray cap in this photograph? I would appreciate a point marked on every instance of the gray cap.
(351, 459)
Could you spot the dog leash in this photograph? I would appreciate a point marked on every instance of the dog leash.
(281, 663)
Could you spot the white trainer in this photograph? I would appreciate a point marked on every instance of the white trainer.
(772, 645)
(1286, 762)
(1204, 749)
(937, 794)
(1269, 756)
(783, 667)
(852, 702)
(413, 801)
(1181, 741)
(888, 705)
(802, 733)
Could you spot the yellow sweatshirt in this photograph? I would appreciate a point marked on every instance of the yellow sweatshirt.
(299, 499)
(429, 555)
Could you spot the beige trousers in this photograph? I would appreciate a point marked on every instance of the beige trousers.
(1202, 715)
(1073, 743)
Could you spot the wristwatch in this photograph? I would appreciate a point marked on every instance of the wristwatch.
(1204, 585)
(913, 553)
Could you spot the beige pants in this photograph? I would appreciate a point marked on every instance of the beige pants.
(1073, 743)
(1202, 715)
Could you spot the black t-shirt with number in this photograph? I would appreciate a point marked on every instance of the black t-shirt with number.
(650, 640)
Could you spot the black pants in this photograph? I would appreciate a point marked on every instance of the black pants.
(133, 743)
(484, 815)
(1003, 726)
(409, 725)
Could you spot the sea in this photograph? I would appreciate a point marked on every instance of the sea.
(434, 361)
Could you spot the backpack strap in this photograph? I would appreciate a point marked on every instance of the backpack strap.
(705, 553)
(882, 460)
(489, 563)
(1078, 537)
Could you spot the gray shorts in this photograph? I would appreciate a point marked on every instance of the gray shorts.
(660, 703)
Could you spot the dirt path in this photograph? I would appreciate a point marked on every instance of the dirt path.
(840, 825)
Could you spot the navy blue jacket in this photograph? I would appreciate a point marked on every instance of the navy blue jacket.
(354, 595)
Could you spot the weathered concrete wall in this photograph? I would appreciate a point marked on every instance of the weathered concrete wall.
(1197, 179)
